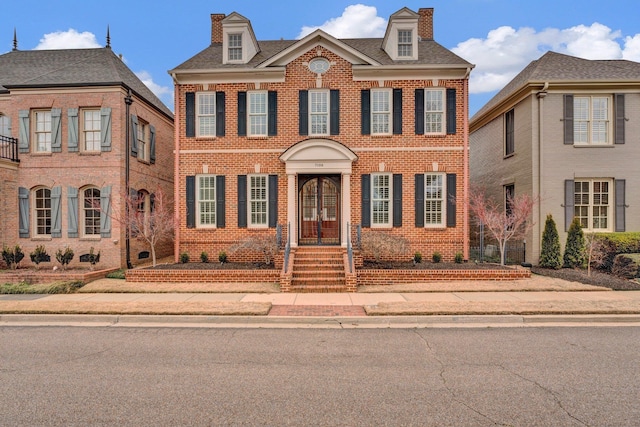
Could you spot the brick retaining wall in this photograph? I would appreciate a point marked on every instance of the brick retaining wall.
(190, 276)
(33, 276)
(390, 277)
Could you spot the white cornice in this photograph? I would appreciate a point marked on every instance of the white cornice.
(410, 72)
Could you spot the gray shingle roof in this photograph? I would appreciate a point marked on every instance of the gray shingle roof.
(71, 67)
(555, 67)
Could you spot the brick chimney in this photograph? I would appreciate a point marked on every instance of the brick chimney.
(425, 23)
(216, 27)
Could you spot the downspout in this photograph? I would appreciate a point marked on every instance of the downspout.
(176, 171)
(536, 234)
(128, 100)
(465, 151)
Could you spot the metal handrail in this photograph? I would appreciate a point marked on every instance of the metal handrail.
(349, 248)
(9, 148)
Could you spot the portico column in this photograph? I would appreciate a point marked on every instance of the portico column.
(292, 217)
(346, 207)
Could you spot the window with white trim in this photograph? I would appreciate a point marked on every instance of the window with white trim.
(206, 201)
(143, 140)
(90, 213)
(257, 112)
(405, 43)
(42, 131)
(319, 112)
(235, 47)
(591, 120)
(381, 200)
(592, 203)
(434, 199)
(258, 198)
(380, 111)
(5, 125)
(434, 111)
(90, 129)
(42, 212)
(206, 113)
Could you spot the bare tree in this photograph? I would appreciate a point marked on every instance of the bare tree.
(503, 223)
(382, 244)
(597, 253)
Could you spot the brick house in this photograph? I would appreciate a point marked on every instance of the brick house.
(63, 121)
(322, 138)
(564, 129)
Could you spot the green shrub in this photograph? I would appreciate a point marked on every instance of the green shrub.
(40, 288)
(574, 250)
(458, 258)
(184, 257)
(93, 257)
(64, 257)
(417, 257)
(118, 274)
(39, 255)
(12, 256)
(622, 243)
(436, 257)
(624, 266)
(551, 255)
(204, 257)
(222, 257)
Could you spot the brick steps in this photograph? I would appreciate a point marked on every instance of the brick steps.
(318, 269)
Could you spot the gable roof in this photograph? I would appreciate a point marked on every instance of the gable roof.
(553, 67)
(72, 68)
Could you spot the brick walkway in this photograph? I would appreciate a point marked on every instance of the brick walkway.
(317, 310)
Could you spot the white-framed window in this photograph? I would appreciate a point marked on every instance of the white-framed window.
(434, 109)
(206, 201)
(206, 113)
(90, 129)
(592, 203)
(405, 43)
(257, 111)
(319, 112)
(509, 133)
(42, 131)
(381, 200)
(591, 120)
(258, 201)
(5, 125)
(143, 140)
(42, 212)
(235, 47)
(434, 199)
(381, 111)
(90, 213)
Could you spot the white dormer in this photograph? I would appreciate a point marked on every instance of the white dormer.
(401, 38)
(239, 43)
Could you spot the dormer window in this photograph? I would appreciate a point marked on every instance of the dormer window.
(405, 43)
(235, 47)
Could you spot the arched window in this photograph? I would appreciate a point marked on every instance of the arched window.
(42, 211)
(91, 211)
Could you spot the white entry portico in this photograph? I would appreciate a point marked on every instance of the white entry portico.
(322, 157)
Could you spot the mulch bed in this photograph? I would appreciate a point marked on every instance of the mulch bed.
(214, 266)
(597, 278)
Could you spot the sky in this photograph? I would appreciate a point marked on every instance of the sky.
(500, 37)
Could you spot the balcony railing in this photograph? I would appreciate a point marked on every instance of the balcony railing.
(9, 148)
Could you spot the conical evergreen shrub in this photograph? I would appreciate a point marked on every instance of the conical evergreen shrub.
(574, 250)
(550, 255)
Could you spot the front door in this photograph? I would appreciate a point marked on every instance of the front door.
(319, 201)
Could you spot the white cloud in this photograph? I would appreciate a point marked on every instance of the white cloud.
(70, 39)
(165, 93)
(506, 51)
(356, 21)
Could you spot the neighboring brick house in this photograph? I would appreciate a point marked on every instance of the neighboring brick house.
(62, 153)
(322, 136)
(565, 129)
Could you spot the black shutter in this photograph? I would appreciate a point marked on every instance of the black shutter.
(568, 123)
(190, 113)
(419, 200)
(242, 113)
(451, 111)
(365, 194)
(619, 114)
(220, 114)
(620, 204)
(220, 201)
(191, 201)
(334, 112)
(303, 112)
(272, 106)
(569, 201)
(451, 200)
(397, 111)
(242, 201)
(365, 111)
(273, 201)
(419, 112)
(397, 200)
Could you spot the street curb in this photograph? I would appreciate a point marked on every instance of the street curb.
(310, 322)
